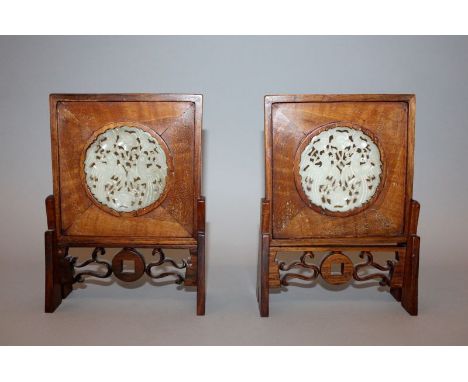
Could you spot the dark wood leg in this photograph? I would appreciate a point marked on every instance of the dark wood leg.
(263, 292)
(53, 289)
(409, 296)
(409, 293)
(58, 271)
(263, 268)
(201, 288)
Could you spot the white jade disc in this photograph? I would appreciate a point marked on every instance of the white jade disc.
(126, 169)
(340, 169)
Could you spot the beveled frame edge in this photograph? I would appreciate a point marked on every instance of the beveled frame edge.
(410, 99)
(125, 97)
(174, 242)
(298, 98)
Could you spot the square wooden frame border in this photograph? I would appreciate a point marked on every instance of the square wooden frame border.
(83, 241)
(410, 99)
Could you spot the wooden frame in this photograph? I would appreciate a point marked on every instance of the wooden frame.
(288, 118)
(175, 220)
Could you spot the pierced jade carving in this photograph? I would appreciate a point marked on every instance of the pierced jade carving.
(340, 169)
(126, 169)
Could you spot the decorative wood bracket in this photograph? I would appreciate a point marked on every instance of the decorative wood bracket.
(301, 264)
(129, 255)
(79, 277)
(345, 270)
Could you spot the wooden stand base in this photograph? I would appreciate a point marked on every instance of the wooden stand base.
(400, 275)
(62, 270)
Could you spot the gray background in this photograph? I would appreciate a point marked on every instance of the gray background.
(233, 74)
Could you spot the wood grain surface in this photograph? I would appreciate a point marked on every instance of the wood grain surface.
(291, 122)
(78, 119)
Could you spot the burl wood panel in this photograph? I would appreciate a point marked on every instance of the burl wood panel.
(291, 122)
(79, 216)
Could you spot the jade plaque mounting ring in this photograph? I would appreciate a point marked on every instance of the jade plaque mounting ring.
(339, 169)
(126, 169)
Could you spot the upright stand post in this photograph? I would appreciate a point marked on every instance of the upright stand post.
(263, 260)
(409, 294)
(201, 288)
(58, 275)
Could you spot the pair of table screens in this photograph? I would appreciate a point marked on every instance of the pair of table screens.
(127, 168)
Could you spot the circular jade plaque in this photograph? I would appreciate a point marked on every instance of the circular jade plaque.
(340, 169)
(126, 169)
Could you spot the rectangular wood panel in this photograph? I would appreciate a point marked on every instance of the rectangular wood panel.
(74, 120)
(289, 119)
